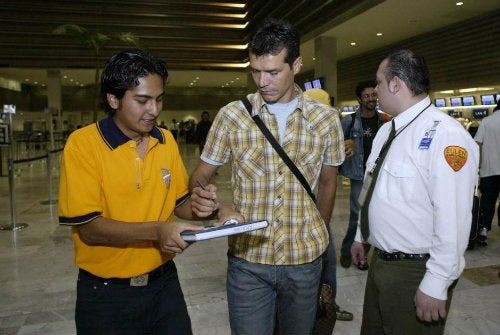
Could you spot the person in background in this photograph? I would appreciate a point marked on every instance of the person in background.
(359, 129)
(163, 125)
(418, 215)
(274, 273)
(202, 129)
(122, 181)
(174, 128)
(329, 255)
(488, 138)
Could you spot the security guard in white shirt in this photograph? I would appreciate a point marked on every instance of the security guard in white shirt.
(418, 215)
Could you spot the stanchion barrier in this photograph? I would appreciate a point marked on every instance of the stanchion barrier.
(49, 176)
(15, 226)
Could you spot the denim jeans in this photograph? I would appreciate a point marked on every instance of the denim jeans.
(345, 249)
(107, 308)
(490, 187)
(256, 293)
(331, 265)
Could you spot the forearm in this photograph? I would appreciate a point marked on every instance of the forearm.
(204, 174)
(107, 231)
(327, 189)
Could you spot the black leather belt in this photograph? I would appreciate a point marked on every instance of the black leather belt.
(141, 280)
(396, 256)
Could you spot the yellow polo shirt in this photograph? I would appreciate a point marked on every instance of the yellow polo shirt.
(102, 175)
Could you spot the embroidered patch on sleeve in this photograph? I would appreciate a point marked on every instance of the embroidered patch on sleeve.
(455, 156)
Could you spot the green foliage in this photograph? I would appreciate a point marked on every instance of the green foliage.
(97, 42)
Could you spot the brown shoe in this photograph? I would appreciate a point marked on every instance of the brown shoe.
(343, 315)
(363, 265)
(345, 261)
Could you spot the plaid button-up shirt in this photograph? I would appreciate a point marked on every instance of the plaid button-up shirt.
(264, 188)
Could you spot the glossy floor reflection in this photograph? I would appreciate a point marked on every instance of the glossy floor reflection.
(38, 277)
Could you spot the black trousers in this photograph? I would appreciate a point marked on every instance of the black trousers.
(490, 188)
(112, 308)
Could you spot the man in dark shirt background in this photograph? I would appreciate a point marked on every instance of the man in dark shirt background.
(202, 129)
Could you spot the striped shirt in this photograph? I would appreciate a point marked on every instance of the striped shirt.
(264, 188)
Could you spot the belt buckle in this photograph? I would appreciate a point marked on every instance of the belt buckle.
(141, 280)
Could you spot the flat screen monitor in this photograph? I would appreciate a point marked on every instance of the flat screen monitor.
(487, 99)
(351, 109)
(308, 85)
(316, 83)
(440, 102)
(469, 100)
(497, 98)
(345, 109)
(456, 101)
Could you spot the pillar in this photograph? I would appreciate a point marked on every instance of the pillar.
(54, 95)
(325, 64)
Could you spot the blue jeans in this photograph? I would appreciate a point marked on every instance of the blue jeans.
(490, 188)
(345, 249)
(256, 293)
(108, 308)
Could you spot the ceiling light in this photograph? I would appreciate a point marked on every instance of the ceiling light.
(459, 3)
(379, 34)
(353, 43)
(475, 89)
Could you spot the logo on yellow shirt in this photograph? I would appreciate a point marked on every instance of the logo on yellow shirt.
(455, 156)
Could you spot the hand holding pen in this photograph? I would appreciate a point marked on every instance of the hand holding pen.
(203, 208)
(203, 203)
(203, 187)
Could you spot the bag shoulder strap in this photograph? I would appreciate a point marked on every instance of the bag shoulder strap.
(278, 148)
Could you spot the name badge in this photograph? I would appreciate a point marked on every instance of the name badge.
(426, 141)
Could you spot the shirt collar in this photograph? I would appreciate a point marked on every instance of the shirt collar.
(114, 137)
(411, 113)
(260, 103)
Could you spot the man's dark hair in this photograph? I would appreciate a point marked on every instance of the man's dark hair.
(363, 85)
(123, 70)
(410, 68)
(272, 37)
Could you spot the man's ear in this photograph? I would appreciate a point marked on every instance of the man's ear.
(395, 85)
(112, 101)
(297, 65)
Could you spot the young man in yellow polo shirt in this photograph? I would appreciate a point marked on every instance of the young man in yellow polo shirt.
(122, 181)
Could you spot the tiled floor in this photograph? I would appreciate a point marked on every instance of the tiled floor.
(37, 274)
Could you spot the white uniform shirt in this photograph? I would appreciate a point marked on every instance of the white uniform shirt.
(489, 135)
(422, 201)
